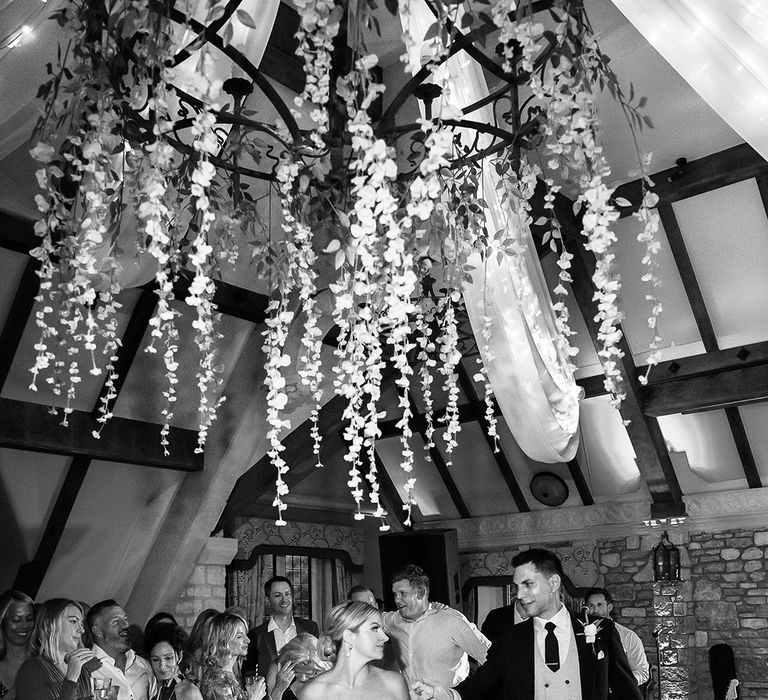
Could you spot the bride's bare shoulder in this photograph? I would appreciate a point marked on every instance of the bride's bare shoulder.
(393, 682)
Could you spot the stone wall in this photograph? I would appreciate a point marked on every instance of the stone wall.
(730, 605)
(206, 587)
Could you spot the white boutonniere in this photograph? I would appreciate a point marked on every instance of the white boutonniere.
(590, 629)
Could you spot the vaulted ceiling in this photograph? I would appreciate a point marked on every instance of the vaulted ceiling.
(697, 427)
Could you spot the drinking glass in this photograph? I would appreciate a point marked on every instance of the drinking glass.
(101, 688)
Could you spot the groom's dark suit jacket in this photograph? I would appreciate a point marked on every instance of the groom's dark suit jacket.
(507, 674)
(262, 650)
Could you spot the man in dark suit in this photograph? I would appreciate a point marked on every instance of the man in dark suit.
(499, 620)
(268, 638)
(553, 655)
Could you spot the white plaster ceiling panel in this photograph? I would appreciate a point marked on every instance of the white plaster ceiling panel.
(755, 419)
(691, 483)
(606, 455)
(525, 468)
(19, 378)
(433, 498)
(707, 442)
(677, 323)
(110, 531)
(726, 235)
(476, 473)
(147, 370)
(586, 360)
(12, 266)
(684, 125)
(29, 484)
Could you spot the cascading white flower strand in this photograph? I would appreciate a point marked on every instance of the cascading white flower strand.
(382, 280)
(153, 167)
(572, 147)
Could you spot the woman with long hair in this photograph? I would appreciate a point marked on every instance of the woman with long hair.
(59, 667)
(165, 645)
(225, 644)
(358, 636)
(17, 618)
(298, 662)
(193, 652)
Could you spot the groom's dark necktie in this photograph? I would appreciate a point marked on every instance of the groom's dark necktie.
(551, 648)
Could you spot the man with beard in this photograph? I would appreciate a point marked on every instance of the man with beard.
(131, 674)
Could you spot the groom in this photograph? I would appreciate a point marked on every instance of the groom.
(553, 655)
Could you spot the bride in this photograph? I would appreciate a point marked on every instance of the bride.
(357, 633)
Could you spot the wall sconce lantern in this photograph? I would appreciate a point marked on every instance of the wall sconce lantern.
(666, 560)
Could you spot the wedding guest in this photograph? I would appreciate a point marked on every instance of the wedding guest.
(17, 619)
(600, 604)
(119, 663)
(298, 662)
(552, 654)
(363, 594)
(225, 644)
(193, 653)
(358, 636)
(165, 645)
(59, 667)
(269, 637)
(499, 619)
(430, 641)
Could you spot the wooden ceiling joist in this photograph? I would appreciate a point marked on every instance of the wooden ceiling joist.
(32, 427)
(644, 432)
(30, 576)
(18, 316)
(708, 335)
(505, 468)
(697, 177)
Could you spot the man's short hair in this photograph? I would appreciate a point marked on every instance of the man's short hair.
(360, 589)
(415, 575)
(544, 561)
(96, 610)
(599, 591)
(277, 579)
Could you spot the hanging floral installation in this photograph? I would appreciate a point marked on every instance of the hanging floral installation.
(139, 129)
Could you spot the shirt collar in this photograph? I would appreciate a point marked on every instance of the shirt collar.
(429, 611)
(130, 656)
(562, 619)
(272, 626)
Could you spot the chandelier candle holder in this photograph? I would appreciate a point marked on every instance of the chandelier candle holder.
(666, 560)
(153, 116)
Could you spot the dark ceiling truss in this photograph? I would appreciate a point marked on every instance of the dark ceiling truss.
(708, 336)
(505, 468)
(443, 470)
(652, 457)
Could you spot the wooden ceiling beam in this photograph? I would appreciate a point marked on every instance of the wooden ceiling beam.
(580, 482)
(32, 427)
(697, 177)
(31, 574)
(706, 392)
(505, 468)
(652, 456)
(18, 316)
(390, 495)
(18, 235)
(708, 335)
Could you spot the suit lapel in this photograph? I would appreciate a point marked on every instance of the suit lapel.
(587, 658)
(525, 650)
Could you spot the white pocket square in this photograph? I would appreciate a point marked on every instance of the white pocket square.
(600, 655)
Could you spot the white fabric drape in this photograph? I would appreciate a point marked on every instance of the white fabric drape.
(22, 68)
(535, 389)
(720, 48)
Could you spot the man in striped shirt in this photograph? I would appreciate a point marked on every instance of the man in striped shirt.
(430, 641)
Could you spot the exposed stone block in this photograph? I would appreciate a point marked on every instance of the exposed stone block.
(753, 566)
(701, 639)
(716, 616)
(706, 589)
(633, 542)
(761, 538)
(752, 553)
(730, 554)
(754, 623)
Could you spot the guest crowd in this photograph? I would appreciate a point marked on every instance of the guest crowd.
(534, 650)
